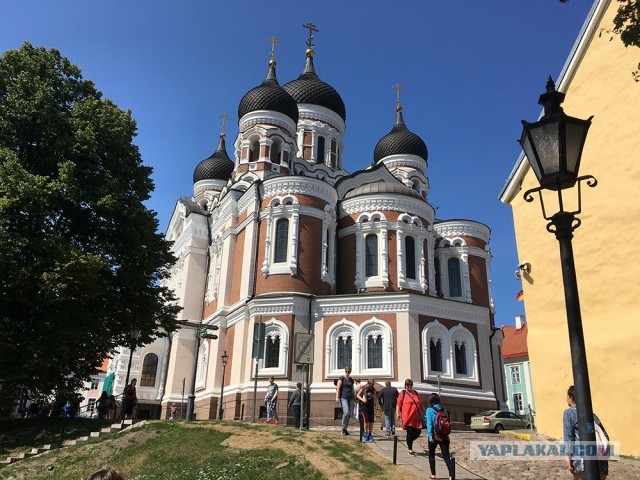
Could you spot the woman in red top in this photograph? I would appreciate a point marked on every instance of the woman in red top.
(409, 411)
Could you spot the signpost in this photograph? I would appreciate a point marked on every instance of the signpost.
(303, 355)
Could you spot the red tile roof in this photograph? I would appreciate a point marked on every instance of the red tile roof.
(105, 364)
(515, 342)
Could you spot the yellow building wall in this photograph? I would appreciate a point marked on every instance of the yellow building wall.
(604, 247)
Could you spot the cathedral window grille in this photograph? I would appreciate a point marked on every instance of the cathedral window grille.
(149, 370)
(461, 358)
(371, 255)
(435, 354)
(344, 351)
(281, 241)
(374, 351)
(410, 257)
(455, 281)
(272, 351)
(321, 150)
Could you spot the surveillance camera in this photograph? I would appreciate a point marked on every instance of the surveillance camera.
(517, 274)
(525, 267)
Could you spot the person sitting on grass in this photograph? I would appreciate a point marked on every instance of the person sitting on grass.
(105, 473)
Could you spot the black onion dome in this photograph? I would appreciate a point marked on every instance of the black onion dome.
(216, 167)
(269, 96)
(308, 88)
(400, 141)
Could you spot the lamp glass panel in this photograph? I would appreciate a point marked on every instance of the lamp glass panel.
(576, 135)
(545, 137)
(530, 153)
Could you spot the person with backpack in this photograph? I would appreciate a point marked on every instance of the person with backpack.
(438, 430)
(409, 410)
(575, 464)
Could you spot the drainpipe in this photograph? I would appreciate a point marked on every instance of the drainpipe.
(493, 369)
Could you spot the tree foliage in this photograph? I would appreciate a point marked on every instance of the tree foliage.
(81, 260)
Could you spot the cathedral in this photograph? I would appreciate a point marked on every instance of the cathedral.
(279, 235)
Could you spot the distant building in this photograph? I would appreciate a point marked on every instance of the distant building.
(597, 81)
(92, 391)
(517, 371)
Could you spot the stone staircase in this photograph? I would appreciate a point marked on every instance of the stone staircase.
(115, 427)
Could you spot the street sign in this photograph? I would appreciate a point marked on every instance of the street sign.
(206, 331)
(257, 351)
(303, 348)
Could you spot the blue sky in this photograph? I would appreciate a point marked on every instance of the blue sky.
(471, 70)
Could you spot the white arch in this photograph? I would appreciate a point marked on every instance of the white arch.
(275, 327)
(438, 331)
(337, 330)
(382, 328)
(460, 333)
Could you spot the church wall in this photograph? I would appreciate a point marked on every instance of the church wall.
(180, 364)
(238, 267)
(478, 277)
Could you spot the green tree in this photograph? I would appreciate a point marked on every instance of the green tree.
(81, 259)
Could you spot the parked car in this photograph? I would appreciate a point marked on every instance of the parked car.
(497, 420)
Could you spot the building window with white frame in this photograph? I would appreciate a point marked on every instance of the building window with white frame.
(280, 249)
(321, 153)
(344, 346)
(272, 350)
(91, 406)
(371, 255)
(374, 350)
(281, 241)
(94, 384)
(517, 403)
(435, 354)
(410, 258)
(461, 357)
(455, 280)
(149, 370)
(515, 374)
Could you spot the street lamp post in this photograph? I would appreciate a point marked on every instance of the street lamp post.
(553, 145)
(225, 359)
(202, 332)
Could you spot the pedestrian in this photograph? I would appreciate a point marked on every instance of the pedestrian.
(575, 464)
(367, 397)
(295, 402)
(409, 411)
(111, 407)
(129, 399)
(271, 401)
(345, 398)
(173, 411)
(105, 473)
(388, 400)
(438, 429)
(103, 405)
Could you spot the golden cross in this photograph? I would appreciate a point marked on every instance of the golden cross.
(312, 28)
(274, 41)
(398, 89)
(224, 118)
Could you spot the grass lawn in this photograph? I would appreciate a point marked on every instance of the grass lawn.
(170, 450)
(22, 434)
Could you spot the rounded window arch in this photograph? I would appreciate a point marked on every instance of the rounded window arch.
(465, 355)
(376, 348)
(254, 148)
(435, 345)
(149, 370)
(340, 347)
(275, 150)
(276, 349)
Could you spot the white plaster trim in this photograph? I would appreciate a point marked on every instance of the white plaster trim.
(283, 185)
(308, 111)
(387, 202)
(268, 117)
(463, 228)
(405, 160)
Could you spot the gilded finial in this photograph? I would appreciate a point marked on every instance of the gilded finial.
(274, 41)
(312, 28)
(224, 118)
(398, 89)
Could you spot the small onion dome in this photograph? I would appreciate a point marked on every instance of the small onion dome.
(382, 187)
(308, 88)
(269, 96)
(400, 141)
(216, 167)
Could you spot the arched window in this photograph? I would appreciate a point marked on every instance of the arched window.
(149, 370)
(410, 257)
(344, 351)
(374, 350)
(272, 350)
(455, 282)
(282, 240)
(435, 354)
(371, 255)
(274, 153)
(321, 150)
(254, 151)
(461, 358)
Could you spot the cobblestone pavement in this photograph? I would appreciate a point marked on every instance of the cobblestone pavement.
(624, 469)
